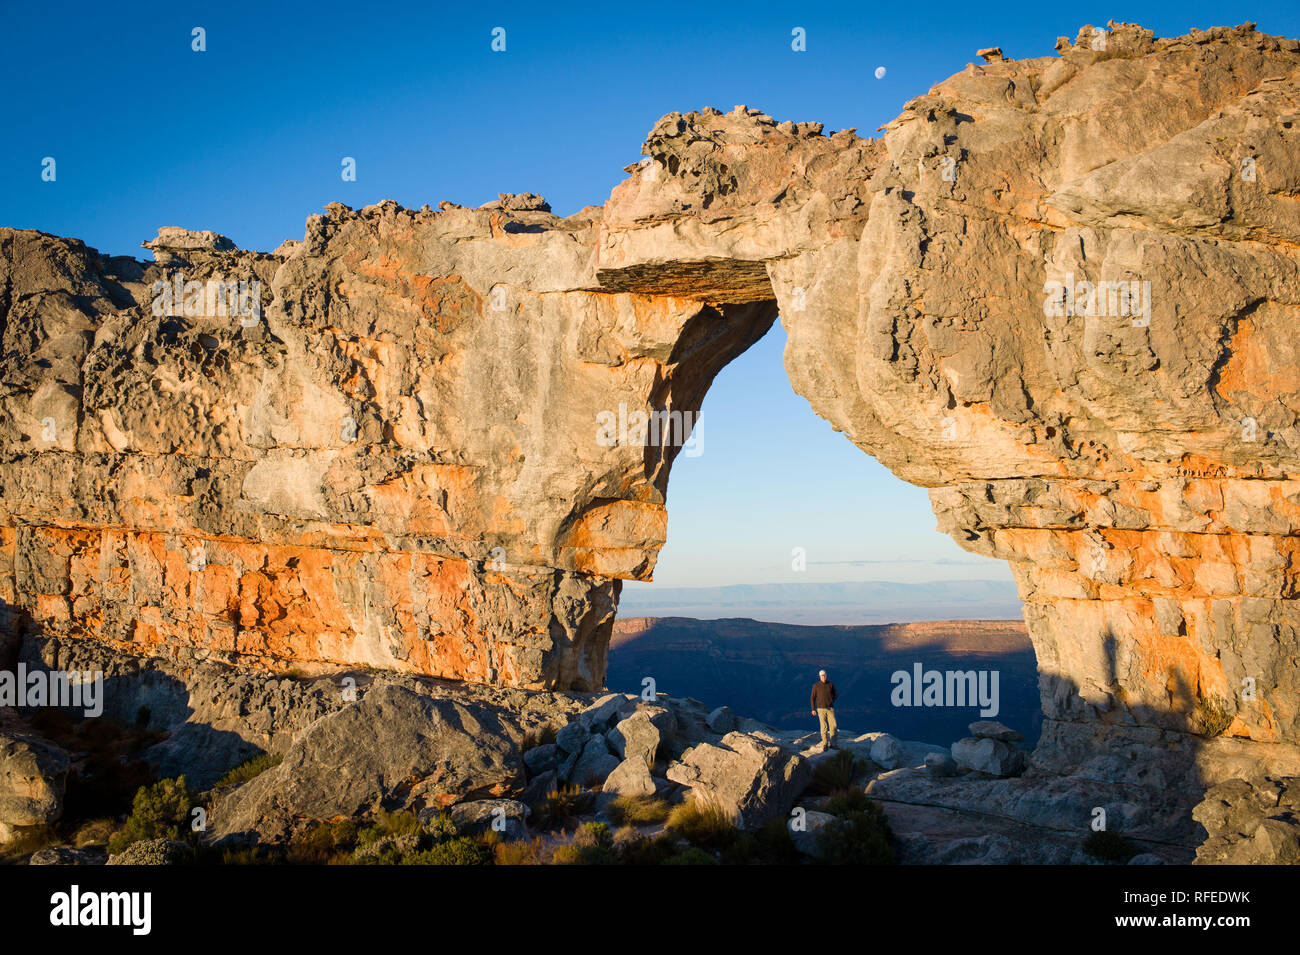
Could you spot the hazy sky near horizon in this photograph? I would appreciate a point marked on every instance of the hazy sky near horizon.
(248, 137)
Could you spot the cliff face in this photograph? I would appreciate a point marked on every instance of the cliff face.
(393, 461)
(1059, 292)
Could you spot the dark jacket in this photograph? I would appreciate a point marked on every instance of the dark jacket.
(823, 695)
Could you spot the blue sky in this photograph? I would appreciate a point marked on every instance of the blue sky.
(247, 139)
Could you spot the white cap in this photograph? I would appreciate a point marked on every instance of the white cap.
(821, 672)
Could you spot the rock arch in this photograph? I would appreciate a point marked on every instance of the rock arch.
(397, 464)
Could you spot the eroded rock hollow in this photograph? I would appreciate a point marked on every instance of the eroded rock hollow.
(1061, 293)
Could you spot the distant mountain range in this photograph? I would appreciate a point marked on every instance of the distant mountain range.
(855, 602)
(766, 670)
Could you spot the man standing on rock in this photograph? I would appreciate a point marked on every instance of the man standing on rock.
(823, 707)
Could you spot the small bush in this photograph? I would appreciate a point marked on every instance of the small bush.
(325, 843)
(636, 810)
(94, 832)
(248, 769)
(837, 773)
(563, 808)
(161, 811)
(771, 844)
(702, 823)
(775, 844)
(845, 801)
(28, 840)
(400, 823)
(1109, 846)
(538, 737)
(593, 844)
(860, 837)
(518, 852)
(633, 848)
(255, 855)
(462, 850)
(441, 827)
(1213, 715)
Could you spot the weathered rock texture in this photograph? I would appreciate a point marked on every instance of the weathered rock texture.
(398, 461)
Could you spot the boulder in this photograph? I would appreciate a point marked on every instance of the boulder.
(65, 855)
(33, 776)
(630, 778)
(751, 778)
(542, 758)
(991, 756)
(547, 784)
(606, 711)
(692, 723)
(593, 765)
(640, 735)
(886, 751)
(572, 738)
(722, 720)
(992, 729)
(940, 764)
(507, 817)
(393, 748)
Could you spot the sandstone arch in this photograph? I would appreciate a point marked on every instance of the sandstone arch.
(396, 465)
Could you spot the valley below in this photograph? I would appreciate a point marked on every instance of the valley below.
(765, 670)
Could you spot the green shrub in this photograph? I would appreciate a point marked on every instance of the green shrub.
(248, 769)
(775, 844)
(702, 823)
(636, 810)
(846, 801)
(860, 837)
(161, 811)
(441, 827)
(462, 850)
(400, 823)
(563, 808)
(593, 844)
(633, 848)
(1108, 845)
(324, 843)
(771, 844)
(837, 773)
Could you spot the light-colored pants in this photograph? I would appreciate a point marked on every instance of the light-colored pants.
(826, 721)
